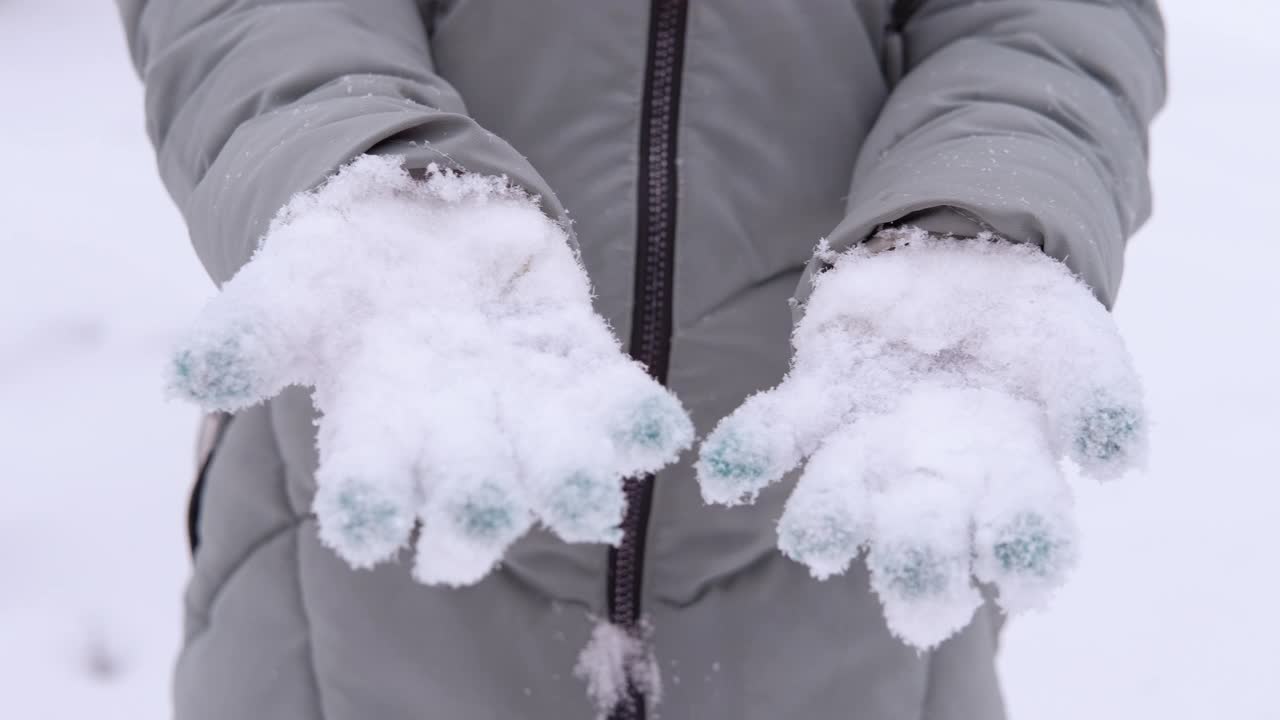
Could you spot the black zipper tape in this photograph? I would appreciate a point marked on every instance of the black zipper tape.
(651, 326)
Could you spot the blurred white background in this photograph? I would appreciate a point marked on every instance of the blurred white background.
(1174, 614)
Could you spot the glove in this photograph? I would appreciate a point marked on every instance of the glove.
(934, 388)
(464, 383)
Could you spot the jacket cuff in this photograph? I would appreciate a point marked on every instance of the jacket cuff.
(274, 156)
(943, 220)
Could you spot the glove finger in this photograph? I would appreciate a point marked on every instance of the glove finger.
(244, 346)
(1092, 396)
(368, 482)
(919, 557)
(1024, 536)
(474, 505)
(571, 484)
(1066, 349)
(1106, 436)
(582, 416)
(827, 519)
(567, 345)
(362, 515)
(567, 463)
(569, 351)
(924, 474)
(468, 522)
(644, 422)
(767, 436)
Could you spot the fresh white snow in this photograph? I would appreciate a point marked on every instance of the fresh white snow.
(429, 316)
(615, 660)
(935, 389)
(1171, 612)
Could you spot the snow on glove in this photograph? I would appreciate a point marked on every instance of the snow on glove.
(933, 390)
(465, 385)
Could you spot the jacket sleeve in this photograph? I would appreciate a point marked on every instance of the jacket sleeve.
(251, 101)
(1027, 116)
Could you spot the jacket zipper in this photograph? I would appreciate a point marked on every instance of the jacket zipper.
(651, 320)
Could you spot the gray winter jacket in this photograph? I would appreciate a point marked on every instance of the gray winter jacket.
(702, 148)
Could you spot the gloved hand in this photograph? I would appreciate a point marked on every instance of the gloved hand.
(463, 380)
(933, 389)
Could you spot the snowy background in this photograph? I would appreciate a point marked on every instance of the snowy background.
(1175, 612)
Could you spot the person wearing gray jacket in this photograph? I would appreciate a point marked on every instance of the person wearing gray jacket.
(702, 147)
